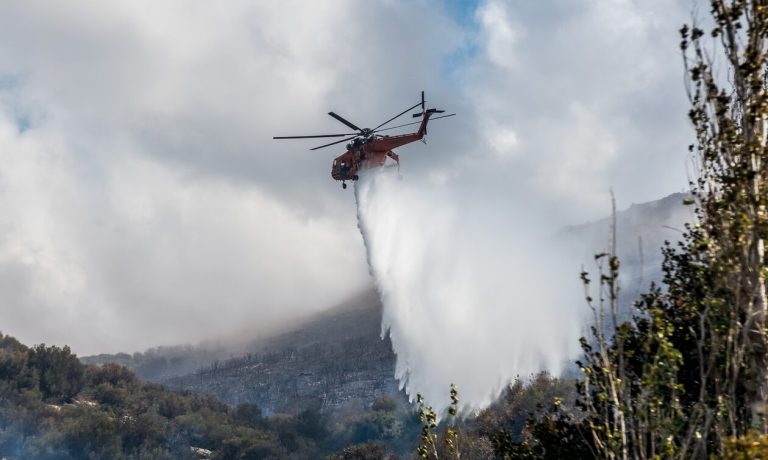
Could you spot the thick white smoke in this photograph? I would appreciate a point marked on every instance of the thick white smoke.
(475, 291)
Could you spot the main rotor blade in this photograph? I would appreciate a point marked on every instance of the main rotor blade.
(338, 117)
(416, 122)
(334, 143)
(310, 137)
(398, 115)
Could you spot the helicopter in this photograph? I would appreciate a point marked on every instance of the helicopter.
(369, 149)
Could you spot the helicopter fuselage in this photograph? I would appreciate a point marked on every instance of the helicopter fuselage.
(372, 153)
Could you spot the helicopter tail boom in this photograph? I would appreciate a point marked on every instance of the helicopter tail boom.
(393, 142)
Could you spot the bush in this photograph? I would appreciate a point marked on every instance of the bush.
(62, 376)
(366, 451)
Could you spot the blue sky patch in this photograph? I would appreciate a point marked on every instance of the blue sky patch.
(10, 102)
(463, 12)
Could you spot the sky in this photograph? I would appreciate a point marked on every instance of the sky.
(143, 201)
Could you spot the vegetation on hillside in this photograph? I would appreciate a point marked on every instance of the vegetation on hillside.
(54, 407)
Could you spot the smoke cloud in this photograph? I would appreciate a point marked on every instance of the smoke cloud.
(472, 288)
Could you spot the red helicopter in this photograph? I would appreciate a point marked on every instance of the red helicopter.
(369, 149)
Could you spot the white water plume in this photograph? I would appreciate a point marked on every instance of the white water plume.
(474, 290)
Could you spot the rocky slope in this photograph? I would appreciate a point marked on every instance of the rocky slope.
(337, 361)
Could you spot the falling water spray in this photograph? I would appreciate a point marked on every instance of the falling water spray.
(474, 293)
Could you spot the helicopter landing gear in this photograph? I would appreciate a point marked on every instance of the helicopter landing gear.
(344, 185)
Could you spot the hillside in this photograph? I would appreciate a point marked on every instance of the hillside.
(641, 231)
(337, 361)
(53, 407)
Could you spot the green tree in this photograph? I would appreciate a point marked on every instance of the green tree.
(61, 374)
(689, 375)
